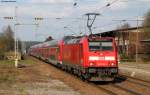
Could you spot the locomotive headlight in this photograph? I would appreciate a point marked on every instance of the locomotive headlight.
(91, 64)
(110, 58)
(112, 64)
(60, 62)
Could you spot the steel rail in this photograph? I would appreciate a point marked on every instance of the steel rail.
(126, 89)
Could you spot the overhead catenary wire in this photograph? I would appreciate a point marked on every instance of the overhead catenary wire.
(95, 12)
(116, 21)
(78, 19)
(106, 6)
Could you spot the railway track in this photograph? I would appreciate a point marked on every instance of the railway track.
(114, 89)
(137, 81)
(109, 92)
(133, 85)
(123, 86)
(127, 90)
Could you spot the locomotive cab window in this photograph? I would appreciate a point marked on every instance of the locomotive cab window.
(101, 45)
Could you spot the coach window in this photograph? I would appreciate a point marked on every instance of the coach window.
(57, 50)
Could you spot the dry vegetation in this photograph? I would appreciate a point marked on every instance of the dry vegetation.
(29, 80)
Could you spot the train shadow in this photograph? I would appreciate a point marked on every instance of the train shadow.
(117, 79)
(22, 65)
(101, 82)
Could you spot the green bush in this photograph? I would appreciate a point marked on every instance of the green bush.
(125, 58)
(1, 55)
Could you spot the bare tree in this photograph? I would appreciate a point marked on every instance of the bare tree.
(7, 40)
(147, 23)
(146, 37)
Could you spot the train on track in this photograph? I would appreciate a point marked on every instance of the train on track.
(91, 58)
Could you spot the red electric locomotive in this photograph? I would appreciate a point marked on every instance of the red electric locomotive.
(90, 57)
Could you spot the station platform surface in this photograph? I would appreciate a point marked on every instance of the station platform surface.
(138, 70)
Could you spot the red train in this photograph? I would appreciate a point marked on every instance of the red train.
(90, 57)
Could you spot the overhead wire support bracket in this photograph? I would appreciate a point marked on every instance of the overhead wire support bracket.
(8, 1)
(90, 20)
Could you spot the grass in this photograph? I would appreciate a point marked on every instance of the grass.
(20, 80)
(8, 72)
(27, 61)
(12, 62)
(6, 62)
(7, 78)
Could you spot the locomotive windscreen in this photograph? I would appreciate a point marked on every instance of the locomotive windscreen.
(102, 45)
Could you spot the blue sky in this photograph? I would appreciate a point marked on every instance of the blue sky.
(71, 16)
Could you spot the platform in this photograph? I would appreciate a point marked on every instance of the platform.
(136, 70)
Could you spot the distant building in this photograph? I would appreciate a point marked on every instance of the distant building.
(145, 48)
(130, 39)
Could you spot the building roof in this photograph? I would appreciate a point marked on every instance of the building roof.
(112, 33)
(148, 40)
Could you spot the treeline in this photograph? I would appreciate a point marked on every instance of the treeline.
(147, 23)
(6, 41)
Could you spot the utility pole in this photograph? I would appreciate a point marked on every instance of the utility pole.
(137, 40)
(16, 41)
(71, 30)
(36, 30)
(90, 20)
